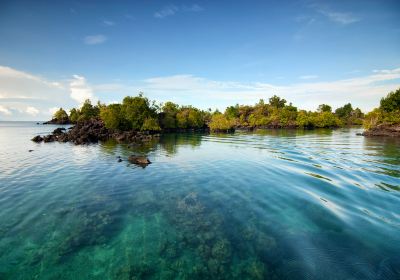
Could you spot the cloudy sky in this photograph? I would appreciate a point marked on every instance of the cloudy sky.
(204, 53)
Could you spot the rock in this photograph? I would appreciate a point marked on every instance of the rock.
(30, 151)
(48, 138)
(56, 121)
(59, 130)
(37, 139)
(384, 130)
(140, 160)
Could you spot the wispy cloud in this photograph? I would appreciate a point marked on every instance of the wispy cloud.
(341, 18)
(95, 39)
(364, 92)
(20, 90)
(32, 111)
(166, 11)
(171, 10)
(108, 23)
(308, 77)
(192, 8)
(5, 111)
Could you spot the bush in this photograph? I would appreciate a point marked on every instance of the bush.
(219, 122)
(150, 124)
(391, 102)
(61, 115)
(136, 110)
(112, 117)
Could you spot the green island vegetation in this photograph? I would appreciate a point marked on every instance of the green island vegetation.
(388, 112)
(140, 114)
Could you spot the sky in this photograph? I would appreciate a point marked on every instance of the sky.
(209, 54)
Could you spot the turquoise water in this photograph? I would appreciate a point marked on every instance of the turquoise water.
(268, 205)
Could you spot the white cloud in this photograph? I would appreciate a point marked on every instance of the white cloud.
(95, 39)
(52, 110)
(24, 96)
(166, 11)
(108, 23)
(32, 111)
(171, 10)
(308, 77)
(364, 92)
(342, 18)
(5, 111)
(193, 8)
(80, 90)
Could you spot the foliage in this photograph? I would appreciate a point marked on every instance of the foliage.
(112, 116)
(88, 111)
(391, 102)
(136, 110)
(277, 102)
(324, 108)
(74, 115)
(60, 115)
(348, 115)
(150, 124)
(189, 117)
(220, 122)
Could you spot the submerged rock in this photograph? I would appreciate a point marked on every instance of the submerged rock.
(140, 160)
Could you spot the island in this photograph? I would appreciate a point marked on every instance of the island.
(138, 119)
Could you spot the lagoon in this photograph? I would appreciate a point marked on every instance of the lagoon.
(270, 204)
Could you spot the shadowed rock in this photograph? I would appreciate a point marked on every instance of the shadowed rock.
(37, 139)
(140, 160)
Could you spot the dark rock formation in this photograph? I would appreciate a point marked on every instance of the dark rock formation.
(59, 130)
(37, 139)
(58, 121)
(383, 130)
(93, 131)
(140, 160)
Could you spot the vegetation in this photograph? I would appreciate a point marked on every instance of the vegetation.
(60, 115)
(388, 112)
(139, 113)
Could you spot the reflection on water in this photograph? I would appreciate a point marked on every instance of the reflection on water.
(273, 204)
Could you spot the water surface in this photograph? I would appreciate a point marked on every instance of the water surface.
(274, 204)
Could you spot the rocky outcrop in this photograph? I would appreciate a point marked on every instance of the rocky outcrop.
(58, 121)
(383, 130)
(140, 160)
(93, 131)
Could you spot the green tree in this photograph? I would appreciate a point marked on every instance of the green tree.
(136, 110)
(344, 112)
(391, 102)
(232, 112)
(219, 122)
(74, 115)
(150, 124)
(324, 108)
(112, 116)
(88, 111)
(61, 115)
(168, 115)
(277, 102)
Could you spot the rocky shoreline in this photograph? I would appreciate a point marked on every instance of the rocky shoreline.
(383, 130)
(93, 131)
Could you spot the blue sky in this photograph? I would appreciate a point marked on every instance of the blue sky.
(204, 53)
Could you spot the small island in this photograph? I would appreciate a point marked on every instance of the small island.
(138, 119)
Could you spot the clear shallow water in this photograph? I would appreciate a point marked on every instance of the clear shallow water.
(268, 205)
